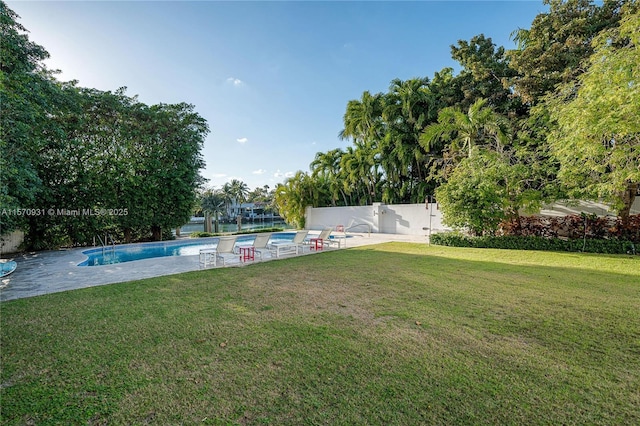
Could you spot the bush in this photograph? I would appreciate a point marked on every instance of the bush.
(201, 234)
(249, 231)
(512, 242)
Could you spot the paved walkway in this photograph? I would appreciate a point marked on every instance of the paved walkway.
(54, 271)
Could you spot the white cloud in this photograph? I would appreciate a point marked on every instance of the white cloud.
(242, 140)
(259, 172)
(235, 81)
(218, 175)
(280, 175)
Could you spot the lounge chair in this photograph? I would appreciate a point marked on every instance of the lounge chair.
(300, 240)
(225, 250)
(296, 246)
(260, 244)
(325, 236)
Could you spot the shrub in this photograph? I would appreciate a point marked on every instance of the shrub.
(513, 242)
(249, 231)
(201, 234)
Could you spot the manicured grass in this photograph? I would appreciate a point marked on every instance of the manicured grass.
(391, 334)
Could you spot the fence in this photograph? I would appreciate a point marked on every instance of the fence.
(406, 219)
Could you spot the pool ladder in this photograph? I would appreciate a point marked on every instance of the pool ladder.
(104, 242)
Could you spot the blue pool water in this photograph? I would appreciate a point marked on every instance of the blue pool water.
(131, 252)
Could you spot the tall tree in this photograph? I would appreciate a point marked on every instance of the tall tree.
(26, 92)
(486, 74)
(213, 203)
(293, 196)
(597, 141)
(551, 51)
(484, 190)
(328, 165)
(463, 132)
(408, 108)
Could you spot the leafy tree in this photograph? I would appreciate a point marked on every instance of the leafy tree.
(485, 75)
(597, 141)
(360, 174)
(26, 89)
(172, 164)
(484, 190)
(551, 51)
(260, 194)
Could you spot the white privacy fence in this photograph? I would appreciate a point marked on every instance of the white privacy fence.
(406, 219)
(422, 219)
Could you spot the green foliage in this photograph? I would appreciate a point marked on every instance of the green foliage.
(513, 242)
(472, 197)
(552, 50)
(70, 148)
(26, 91)
(597, 141)
(485, 75)
(293, 197)
(200, 234)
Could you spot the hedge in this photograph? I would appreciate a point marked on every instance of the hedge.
(250, 231)
(589, 245)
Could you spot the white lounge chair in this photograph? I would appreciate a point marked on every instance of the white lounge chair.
(327, 241)
(300, 240)
(296, 246)
(225, 251)
(260, 244)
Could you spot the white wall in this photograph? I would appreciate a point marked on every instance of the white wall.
(590, 207)
(9, 243)
(415, 219)
(406, 219)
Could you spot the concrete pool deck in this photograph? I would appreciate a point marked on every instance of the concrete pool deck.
(47, 272)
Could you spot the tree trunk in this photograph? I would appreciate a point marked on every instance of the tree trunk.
(156, 233)
(127, 235)
(628, 197)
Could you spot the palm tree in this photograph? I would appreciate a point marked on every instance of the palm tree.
(229, 198)
(407, 109)
(363, 119)
(293, 197)
(327, 165)
(465, 131)
(240, 190)
(213, 203)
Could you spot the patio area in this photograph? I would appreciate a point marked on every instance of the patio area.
(47, 272)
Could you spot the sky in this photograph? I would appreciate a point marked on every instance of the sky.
(272, 78)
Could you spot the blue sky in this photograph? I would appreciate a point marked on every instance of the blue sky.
(271, 78)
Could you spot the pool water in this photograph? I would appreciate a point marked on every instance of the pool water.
(131, 252)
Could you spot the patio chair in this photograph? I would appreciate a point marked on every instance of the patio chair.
(317, 242)
(300, 239)
(225, 251)
(260, 244)
(327, 241)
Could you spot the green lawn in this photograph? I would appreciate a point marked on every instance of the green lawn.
(390, 334)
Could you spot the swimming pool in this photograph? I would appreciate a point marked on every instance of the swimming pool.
(131, 252)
